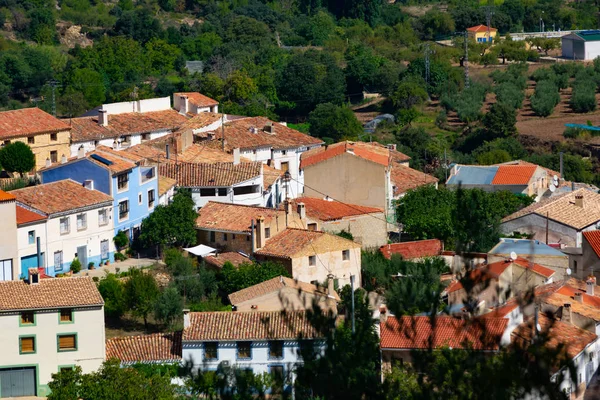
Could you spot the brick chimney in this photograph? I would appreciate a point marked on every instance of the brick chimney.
(302, 211)
(186, 318)
(579, 297)
(566, 313)
(579, 200)
(260, 232)
(81, 152)
(590, 283)
(183, 104)
(383, 314)
(63, 159)
(236, 156)
(102, 117)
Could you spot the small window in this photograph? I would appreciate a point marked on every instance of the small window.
(31, 237)
(151, 198)
(211, 351)
(312, 261)
(124, 209)
(122, 181)
(54, 156)
(312, 227)
(285, 166)
(65, 369)
(6, 142)
(67, 342)
(212, 237)
(53, 137)
(27, 345)
(64, 226)
(58, 260)
(244, 350)
(207, 192)
(224, 237)
(247, 238)
(267, 233)
(145, 136)
(140, 199)
(102, 217)
(88, 184)
(232, 236)
(276, 349)
(222, 191)
(81, 221)
(346, 255)
(66, 316)
(283, 152)
(31, 140)
(27, 318)
(575, 266)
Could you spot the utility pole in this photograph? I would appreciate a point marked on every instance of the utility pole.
(466, 60)
(446, 161)
(223, 131)
(488, 19)
(352, 291)
(53, 83)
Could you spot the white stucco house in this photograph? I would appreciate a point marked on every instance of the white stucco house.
(62, 220)
(582, 45)
(8, 237)
(47, 325)
(265, 342)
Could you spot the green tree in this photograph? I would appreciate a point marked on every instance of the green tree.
(510, 94)
(477, 229)
(495, 156)
(90, 83)
(17, 157)
(500, 121)
(169, 306)
(408, 94)
(42, 26)
(583, 98)
(239, 87)
(402, 384)
(334, 122)
(435, 23)
(233, 279)
(141, 293)
(545, 98)
(161, 56)
(113, 293)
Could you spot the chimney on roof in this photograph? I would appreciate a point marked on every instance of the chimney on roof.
(566, 313)
(81, 152)
(186, 318)
(260, 232)
(48, 162)
(330, 288)
(579, 200)
(167, 152)
(115, 145)
(184, 104)
(391, 146)
(63, 159)
(302, 211)
(102, 117)
(590, 283)
(236, 156)
(287, 206)
(579, 297)
(269, 128)
(383, 314)
(33, 276)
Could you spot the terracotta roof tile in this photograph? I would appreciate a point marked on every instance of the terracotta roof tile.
(210, 174)
(405, 178)
(275, 285)
(481, 274)
(87, 128)
(223, 326)
(164, 184)
(325, 210)
(502, 311)
(513, 174)
(537, 268)
(593, 238)
(202, 120)
(549, 171)
(198, 99)
(234, 217)
(157, 347)
(49, 293)
(559, 333)
(25, 216)
(416, 249)
(60, 196)
(116, 163)
(562, 209)
(5, 196)
(27, 122)
(220, 259)
(480, 28)
(418, 333)
(238, 134)
(291, 243)
(374, 152)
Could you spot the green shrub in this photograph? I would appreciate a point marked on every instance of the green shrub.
(171, 256)
(120, 257)
(508, 93)
(545, 98)
(91, 264)
(75, 265)
(584, 97)
(121, 240)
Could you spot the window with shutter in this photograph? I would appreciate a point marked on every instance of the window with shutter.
(67, 342)
(27, 345)
(27, 318)
(66, 315)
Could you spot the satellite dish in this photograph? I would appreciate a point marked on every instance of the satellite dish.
(569, 271)
(513, 255)
(552, 187)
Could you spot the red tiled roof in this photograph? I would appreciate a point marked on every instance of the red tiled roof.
(514, 174)
(157, 347)
(593, 238)
(405, 178)
(25, 216)
(481, 28)
(60, 196)
(416, 249)
(570, 291)
(549, 171)
(374, 152)
(275, 285)
(27, 122)
(418, 333)
(481, 274)
(238, 133)
(253, 325)
(117, 164)
(325, 210)
(210, 174)
(4, 196)
(291, 243)
(219, 260)
(87, 128)
(200, 121)
(502, 311)
(198, 99)
(537, 268)
(49, 293)
(234, 217)
(559, 333)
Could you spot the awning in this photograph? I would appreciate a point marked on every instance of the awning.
(200, 250)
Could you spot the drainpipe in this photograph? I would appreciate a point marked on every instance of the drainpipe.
(252, 237)
(38, 243)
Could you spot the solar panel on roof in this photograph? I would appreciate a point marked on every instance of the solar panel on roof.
(101, 159)
(586, 33)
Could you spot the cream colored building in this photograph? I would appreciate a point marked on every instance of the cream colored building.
(48, 137)
(8, 237)
(47, 325)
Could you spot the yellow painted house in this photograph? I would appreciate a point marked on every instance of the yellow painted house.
(479, 33)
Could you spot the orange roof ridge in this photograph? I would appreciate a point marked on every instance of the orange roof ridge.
(513, 174)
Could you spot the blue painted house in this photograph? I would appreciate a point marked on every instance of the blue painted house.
(128, 178)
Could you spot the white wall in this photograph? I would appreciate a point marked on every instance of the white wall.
(88, 324)
(148, 105)
(251, 199)
(8, 235)
(27, 249)
(329, 263)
